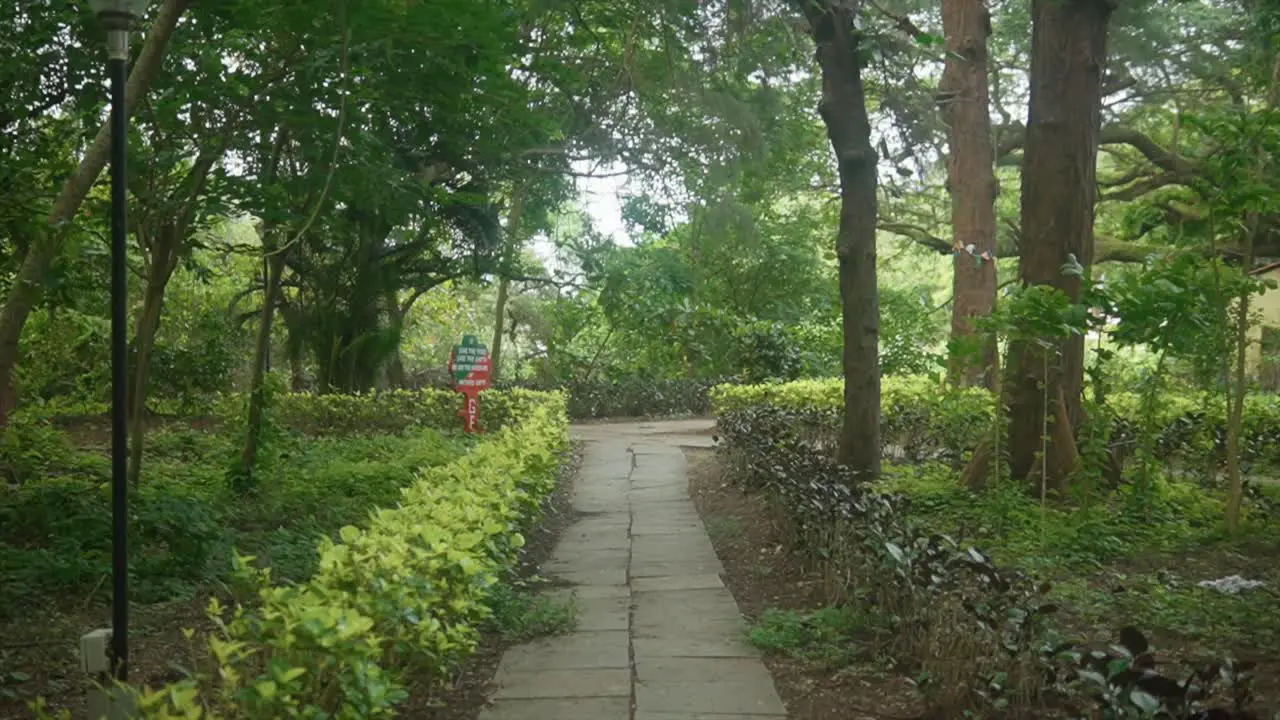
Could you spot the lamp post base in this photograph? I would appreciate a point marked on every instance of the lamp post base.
(111, 703)
(106, 700)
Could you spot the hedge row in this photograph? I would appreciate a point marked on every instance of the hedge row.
(394, 410)
(406, 592)
(632, 397)
(923, 419)
(919, 418)
(433, 406)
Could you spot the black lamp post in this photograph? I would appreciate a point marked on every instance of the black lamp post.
(119, 17)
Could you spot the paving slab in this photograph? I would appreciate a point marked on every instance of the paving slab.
(559, 709)
(590, 560)
(576, 651)
(597, 612)
(677, 582)
(655, 624)
(704, 716)
(647, 549)
(682, 568)
(702, 670)
(658, 648)
(727, 697)
(565, 684)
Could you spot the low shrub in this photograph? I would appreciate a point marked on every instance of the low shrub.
(389, 412)
(633, 397)
(409, 589)
(923, 419)
(920, 419)
(974, 634)
(55, 536)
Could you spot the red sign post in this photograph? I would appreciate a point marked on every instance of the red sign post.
(469, 366)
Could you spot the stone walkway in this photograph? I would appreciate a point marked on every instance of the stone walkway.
(658, 636)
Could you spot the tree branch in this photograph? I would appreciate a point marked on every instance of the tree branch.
(1013, 138)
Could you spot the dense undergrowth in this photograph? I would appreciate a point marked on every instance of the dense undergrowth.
(434, 405)
(995, 603)
(366, 553)
(55, 537)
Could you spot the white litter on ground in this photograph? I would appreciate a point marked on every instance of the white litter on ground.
(1231, 585)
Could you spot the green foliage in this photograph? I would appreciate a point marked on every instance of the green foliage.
(55, 527)
(32, 449)
(411, 588)
(1124, 681)
(634, 397)
(924, 419)
(910, 332)
(974, 629)
(918, 416)
(831, 637)
(57, 538)
(70, 345)
(389, 412)
(521, 615)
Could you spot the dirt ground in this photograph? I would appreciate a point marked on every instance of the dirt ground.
(762, 575)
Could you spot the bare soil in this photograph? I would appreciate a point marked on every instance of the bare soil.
(762, 575)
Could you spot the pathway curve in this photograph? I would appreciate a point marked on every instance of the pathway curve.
(659, 637)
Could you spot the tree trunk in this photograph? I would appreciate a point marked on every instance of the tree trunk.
(972, 183)
(512, 248)
(844, 112)
(396, 375)
(294, 342)
(1068, 52)
(26, 288)
(499, 325)
(164, 259)
(257, 385)
(1235, 413)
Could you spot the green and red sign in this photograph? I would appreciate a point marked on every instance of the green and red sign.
(469, 366)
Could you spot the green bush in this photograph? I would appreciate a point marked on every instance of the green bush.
(57, 538)
(33, 449)
(973, 631)
(409, 589)
(634, 397)
(389, 412)
(922, 418)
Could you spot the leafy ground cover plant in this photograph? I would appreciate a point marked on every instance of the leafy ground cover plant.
(969, 627)
(55, 530)
(408, 589)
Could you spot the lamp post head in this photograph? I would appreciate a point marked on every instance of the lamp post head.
(118, 17)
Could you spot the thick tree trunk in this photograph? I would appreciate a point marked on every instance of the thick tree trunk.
(1068, 52)
(844, 112)
(971, 180)
(26, 288)
(396, 375)
(294, 342)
